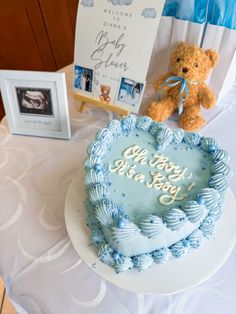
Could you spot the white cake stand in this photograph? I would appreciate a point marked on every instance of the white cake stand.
(175, 275)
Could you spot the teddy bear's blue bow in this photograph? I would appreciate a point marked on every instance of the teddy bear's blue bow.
(174, 81)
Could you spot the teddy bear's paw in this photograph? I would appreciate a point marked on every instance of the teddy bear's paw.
(207, 99)
(153, 113)
(189, 123)
(160, 110)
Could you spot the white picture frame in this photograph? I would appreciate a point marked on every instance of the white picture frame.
(36, 103)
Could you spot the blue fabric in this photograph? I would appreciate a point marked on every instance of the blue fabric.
(170, 8)
(190, 10)
(174, 81)
(224, 13)
(217, 12)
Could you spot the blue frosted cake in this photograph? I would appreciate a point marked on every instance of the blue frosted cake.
(153, 193)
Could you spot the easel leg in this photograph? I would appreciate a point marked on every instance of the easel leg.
(81, 109)
(84, 100)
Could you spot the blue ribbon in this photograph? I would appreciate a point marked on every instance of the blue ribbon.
(174, 81)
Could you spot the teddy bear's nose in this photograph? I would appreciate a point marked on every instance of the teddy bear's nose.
(185, 70)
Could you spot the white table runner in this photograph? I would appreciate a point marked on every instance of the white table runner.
(42, 272)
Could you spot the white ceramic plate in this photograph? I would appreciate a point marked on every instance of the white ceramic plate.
(175, 275)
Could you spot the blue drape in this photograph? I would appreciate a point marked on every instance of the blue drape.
(217, 12)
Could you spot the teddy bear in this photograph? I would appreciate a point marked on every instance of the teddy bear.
(183, 88)
(105, 91)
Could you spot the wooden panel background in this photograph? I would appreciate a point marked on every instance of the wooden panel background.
(36, 34)
(23, 36)
(59, 30)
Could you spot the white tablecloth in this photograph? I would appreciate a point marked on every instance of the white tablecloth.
(42, 272)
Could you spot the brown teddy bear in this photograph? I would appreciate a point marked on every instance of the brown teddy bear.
(183, 88)
(105, 91)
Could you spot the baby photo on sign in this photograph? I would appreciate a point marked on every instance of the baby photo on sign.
(130, 92)
(83, 79)
(35, 101)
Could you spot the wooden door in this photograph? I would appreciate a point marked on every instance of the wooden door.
(60, 18)
(23, 37)
(24, 42)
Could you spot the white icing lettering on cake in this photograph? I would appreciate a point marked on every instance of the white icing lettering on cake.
(120, 167)
(169, 199)
(178, 174)
(131, 172)
(123, 168)
(165, 187)
(157, 185)
(159, 180)
(190, 175)
(137, 154)
(156, 178)
(162, 162)
(139, 177)
(191, 185)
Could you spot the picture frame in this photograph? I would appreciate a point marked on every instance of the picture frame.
(36, 103)
(130, 93)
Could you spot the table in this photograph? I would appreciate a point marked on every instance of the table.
(42, 272)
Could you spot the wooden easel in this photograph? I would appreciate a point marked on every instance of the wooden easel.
(100, 104)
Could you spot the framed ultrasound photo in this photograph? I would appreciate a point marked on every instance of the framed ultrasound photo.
(36, 103)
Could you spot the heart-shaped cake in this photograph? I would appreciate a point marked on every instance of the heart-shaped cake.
(152, 192)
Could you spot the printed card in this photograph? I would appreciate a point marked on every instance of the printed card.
(113, 46)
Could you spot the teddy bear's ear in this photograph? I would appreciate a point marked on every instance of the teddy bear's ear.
(213, 56)
(182, 45)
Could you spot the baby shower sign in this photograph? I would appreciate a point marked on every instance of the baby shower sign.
(113, 46)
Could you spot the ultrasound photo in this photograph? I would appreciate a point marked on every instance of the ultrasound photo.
(35, 101)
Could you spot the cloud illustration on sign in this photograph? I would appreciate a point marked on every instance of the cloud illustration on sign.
(149, 13)
(87, 3)
(121, 2)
